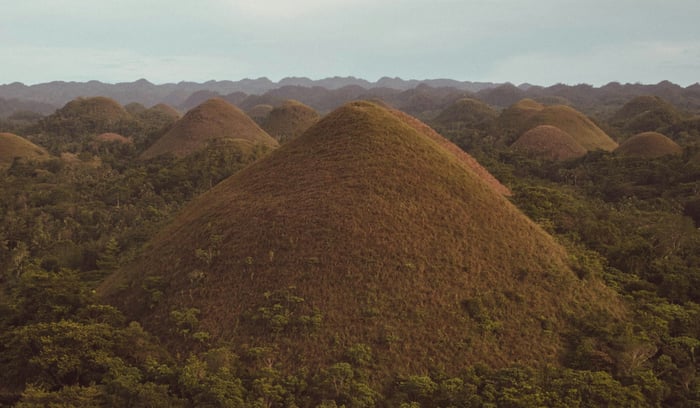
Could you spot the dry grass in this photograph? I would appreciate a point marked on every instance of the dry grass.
(167, 110)
(212, 120)
(12, 146)
(649, 145)
(386, 233)
(290, 120)
(112, 138)
(99, 108)
(259, 112)
(549, 142)
(466, 112)
(528, 114)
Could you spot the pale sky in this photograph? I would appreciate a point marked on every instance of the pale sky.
(541, 42)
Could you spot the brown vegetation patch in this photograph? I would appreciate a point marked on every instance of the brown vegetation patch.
(290, 120)
(112, 138)
(13, 146)
(649, 145)
(549, 142)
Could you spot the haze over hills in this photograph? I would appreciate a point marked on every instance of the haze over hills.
(364, 230)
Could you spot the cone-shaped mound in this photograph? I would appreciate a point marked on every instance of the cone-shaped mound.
(290, 120)
(549, 142)
(212, 120)
(88, 115)
(649, 145)
(361, 231)
(466, 112)
(112, 138)
(528, 114)
(260, 112)
(13, 146)
(166, 110)
(645, 113)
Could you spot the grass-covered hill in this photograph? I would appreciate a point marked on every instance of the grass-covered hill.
(13, 146)
(645, 114)
(649, 145)
(549, 142)
(213, 120)
(528, 114)
(289, 120)
(466, 113)
(88, 115)
(364, 232)
(259, 112)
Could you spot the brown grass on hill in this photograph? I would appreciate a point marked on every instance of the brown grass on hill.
(528, 114)
(112, 138)
(13, 146)
(94, 108)
(549, 142)
(373, 227)
(167, 110)
(213, 119)
(649, 145)
(259, 112)
(290, 120)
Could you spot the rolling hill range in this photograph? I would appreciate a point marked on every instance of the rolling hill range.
(649, 145)
(366, 230)
(12, 146)
(528, 114)
(211, 121)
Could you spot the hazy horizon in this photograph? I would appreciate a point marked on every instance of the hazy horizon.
(542, 43)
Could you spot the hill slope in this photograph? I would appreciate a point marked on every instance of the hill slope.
(12, 146)
(88, 115)
(213, 120)
(363, 230)
(649, 145)
(549, 142)
(646, 113)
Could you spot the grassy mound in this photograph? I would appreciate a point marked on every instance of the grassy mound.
(649, 145)
(364, 231)
(213, 119)
(528, 114)
(289, 120)
(166, 110)
(466, 113)
(260, 112)
(13, 146)
(549, 142)
(88, 115)
(644, 114)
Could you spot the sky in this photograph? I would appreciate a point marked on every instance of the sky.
(541, 42)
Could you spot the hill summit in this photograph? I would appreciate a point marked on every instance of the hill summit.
(365, 230)
(549, 142)
(213, 120)
(649, 145)
(289, 120)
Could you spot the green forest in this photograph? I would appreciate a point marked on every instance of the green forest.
(69, 221)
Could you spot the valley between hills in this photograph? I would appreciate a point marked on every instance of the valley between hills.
(343, 243)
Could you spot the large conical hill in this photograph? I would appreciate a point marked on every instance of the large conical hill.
(649, 145)
(549, 142)
(362, 231)
(528, 114)
(13, 146)
(289, 120)
(213, 120)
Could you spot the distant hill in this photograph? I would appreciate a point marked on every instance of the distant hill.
(88, 115)
(549, 142)
(646, 114)
(13, 146)
(528, 114)
(260, 112)
(213, 120)
(467, 113)
(112, 138)
(289, 120)
(649, 145)
(362, 231)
